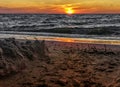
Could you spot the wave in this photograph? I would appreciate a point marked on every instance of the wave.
(64, 24)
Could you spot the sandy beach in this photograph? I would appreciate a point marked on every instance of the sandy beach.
(34, 63)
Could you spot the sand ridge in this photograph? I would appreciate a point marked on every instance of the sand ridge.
(69, 65)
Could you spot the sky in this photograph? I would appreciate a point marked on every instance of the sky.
(59, 6)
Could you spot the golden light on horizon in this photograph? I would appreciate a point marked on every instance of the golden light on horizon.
(60, 6)
(69, 11)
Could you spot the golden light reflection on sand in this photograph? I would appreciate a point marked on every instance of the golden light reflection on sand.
(62, 39)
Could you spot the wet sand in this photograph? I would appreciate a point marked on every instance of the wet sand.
(101, 40)
(69, 64)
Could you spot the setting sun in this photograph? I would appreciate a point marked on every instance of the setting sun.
(69, 11)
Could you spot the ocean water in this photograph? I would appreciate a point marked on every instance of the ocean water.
(100, 26)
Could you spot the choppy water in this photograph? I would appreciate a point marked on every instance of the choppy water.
(93, 26)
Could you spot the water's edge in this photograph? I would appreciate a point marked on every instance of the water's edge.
(61, 39)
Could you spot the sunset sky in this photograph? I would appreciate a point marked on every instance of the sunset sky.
(59, 6)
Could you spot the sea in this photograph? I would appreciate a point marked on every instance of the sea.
(95, 26)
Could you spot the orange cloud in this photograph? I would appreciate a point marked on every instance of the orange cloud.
(46, 9)
(58, 6)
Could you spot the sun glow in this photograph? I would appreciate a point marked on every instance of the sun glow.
(69, 11)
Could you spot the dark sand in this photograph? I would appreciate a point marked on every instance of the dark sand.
(61, 64)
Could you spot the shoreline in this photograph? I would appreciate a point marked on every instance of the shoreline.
(62, 39)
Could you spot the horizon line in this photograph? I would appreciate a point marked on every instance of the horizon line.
(60, 13)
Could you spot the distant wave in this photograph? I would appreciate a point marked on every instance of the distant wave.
(100, 25)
